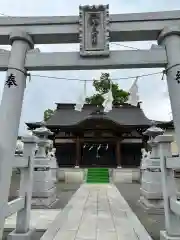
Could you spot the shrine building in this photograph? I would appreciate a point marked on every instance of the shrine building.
(93, 138)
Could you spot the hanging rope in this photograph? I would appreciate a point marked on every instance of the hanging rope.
(91, 80)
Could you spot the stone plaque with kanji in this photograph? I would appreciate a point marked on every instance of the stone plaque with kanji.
(94, 30)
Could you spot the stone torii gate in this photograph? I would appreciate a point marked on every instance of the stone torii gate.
(94, 28)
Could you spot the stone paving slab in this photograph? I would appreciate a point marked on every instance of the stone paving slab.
(96, 212)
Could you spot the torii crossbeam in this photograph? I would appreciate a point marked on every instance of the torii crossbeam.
(123, 27)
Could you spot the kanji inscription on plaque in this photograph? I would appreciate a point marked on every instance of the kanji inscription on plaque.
(94, 21)
(94, 30)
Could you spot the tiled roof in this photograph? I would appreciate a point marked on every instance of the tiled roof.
(65, 115)
(125, 115)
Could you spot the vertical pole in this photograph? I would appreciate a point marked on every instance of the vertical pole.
(118, 153)
(26, 185)
(170, 38)
(10, 112)
(78, 153)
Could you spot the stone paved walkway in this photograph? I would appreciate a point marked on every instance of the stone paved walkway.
(96, 212)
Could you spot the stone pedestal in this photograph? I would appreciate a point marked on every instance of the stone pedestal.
(74, 175)
(121, 175)
(151, 192)
(125, 175)
(44, 190)
(165, 236)
(61, 174)
(136, 175)
(21, 236)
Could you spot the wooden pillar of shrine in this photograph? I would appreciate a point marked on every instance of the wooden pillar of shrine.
(78, 151)
(118, 153)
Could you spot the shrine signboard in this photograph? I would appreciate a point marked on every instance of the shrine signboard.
(94, 30)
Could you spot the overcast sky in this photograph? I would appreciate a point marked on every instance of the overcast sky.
(42, 93)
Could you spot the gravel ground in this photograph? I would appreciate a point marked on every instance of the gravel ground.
(153, 223)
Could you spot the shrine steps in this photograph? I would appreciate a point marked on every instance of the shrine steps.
(97, 175)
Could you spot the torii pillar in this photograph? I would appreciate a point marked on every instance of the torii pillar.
(170, 39)
(10, 111)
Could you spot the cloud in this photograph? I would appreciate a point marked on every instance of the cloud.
(71, 7)
(42, 93)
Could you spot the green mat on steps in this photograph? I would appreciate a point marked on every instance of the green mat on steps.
(97, 175)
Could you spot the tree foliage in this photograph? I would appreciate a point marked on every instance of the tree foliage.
(48, 113)
(102, 86)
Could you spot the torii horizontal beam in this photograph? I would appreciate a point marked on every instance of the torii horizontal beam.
(36, 61)
(123, 27)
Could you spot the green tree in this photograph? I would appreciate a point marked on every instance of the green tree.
(48, 113)
(102, 86)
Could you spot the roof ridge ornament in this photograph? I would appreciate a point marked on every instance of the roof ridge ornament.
(97, 112)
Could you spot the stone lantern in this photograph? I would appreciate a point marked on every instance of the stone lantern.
(151, 189)
(152, 133)
(44, 190)
(42, 133)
